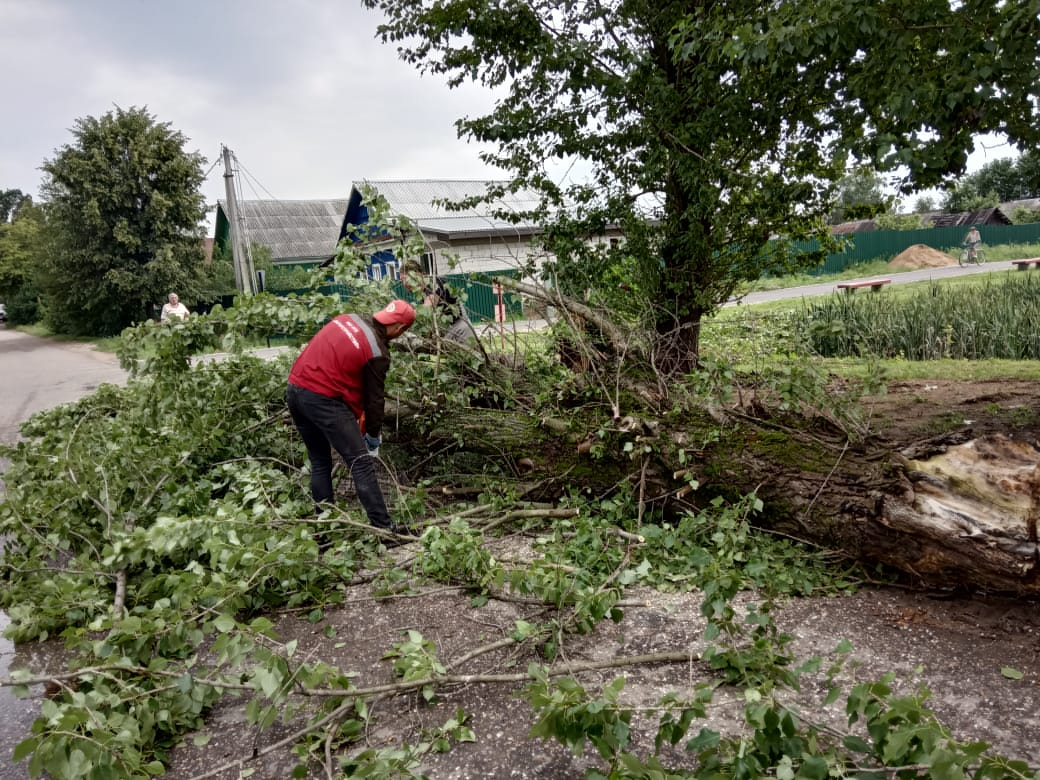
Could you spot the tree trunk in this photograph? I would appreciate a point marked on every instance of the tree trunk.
(952, 513)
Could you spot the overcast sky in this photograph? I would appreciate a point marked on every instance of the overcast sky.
(300, 90)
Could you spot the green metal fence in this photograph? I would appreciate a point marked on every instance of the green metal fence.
(886, 244)
(476, 289)
(481, 298)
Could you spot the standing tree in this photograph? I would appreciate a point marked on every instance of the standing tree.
(861, 195)
(11, 202)
(996, 182)
(124, 218)
(724, 121)
(21, 247)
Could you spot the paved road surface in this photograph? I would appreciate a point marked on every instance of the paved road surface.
(38, 374)
(901, 277)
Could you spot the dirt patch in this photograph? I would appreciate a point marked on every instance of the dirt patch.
(915, 409)
(956, 648)
(921, 256)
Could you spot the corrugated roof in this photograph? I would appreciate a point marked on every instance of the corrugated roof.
(990, 216)
(418, 200)
(304, 229)
(854, 226)
(1033, 204)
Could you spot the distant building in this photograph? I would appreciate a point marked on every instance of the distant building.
(470, 240)
(477, 239)
(989, 216)
(298, 232)
(855, 226)
(1029, 204)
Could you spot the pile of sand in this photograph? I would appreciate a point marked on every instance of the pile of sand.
(921, 256)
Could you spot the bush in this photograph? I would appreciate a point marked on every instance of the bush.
(23, 306)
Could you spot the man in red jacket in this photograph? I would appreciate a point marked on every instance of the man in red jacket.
(337, 380)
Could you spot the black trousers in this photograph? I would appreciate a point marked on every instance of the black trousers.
(327, 424)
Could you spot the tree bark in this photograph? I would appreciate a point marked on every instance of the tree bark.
(950, 513)
(961, 515)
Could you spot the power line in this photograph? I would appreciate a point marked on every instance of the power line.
(253, 179)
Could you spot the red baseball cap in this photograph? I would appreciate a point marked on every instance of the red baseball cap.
(396, 311)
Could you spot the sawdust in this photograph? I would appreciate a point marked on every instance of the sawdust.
(921, 256)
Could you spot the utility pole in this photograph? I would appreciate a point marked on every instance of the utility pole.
(241, 253)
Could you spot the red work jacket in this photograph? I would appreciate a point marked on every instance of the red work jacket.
(347, 359)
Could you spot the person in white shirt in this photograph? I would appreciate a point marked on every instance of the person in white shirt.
(174, 310)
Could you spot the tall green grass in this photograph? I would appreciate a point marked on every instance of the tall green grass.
(994, 318)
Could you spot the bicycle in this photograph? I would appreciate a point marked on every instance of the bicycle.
(971, 255)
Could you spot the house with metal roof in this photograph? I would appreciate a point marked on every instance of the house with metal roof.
(477, 239)
(480, 239)
(988, 216)
(854, 226)
(298, 232)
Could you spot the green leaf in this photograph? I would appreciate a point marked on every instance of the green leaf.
(706, 739)
(1011, 673)
(857, 744)
(813, 768)
(225, 624)
(25, 748)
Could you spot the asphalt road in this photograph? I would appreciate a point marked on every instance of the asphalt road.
(39, 374)
(900, 277)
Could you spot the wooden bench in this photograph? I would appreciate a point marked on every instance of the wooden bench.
(873, 284)
(1024, 265)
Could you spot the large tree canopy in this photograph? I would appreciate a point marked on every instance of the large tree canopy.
(727, 121)
(860, 195)
(124, 218)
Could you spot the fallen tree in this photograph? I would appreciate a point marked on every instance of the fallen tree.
(552, 491)
(950, 510)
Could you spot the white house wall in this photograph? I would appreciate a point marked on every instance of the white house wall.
(492, 255)
(485, 257)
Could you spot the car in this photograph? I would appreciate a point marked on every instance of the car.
(3, 313)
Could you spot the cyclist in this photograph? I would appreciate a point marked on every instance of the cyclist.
(971, 242)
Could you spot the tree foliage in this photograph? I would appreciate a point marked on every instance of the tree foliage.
(860, 195)
(890, 221)
(11, 201)
(706, 130)
(124, 216)
(20, 248)
(996, 182)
